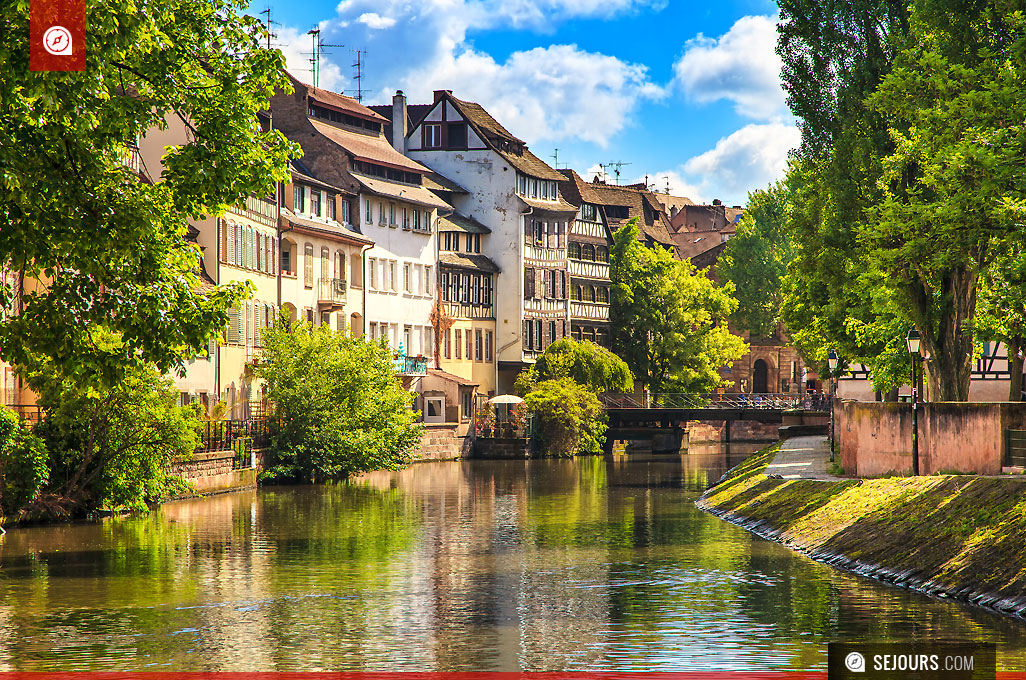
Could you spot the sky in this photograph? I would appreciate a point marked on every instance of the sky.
(686, 94)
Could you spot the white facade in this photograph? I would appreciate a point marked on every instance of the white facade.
(401, 271)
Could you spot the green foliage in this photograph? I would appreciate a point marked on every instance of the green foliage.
(584, 362)
(110, 249)
(113, 448)
(756, 258)
(669, 321)
(23, 463)
(1001, 309)
(342, 407)
(571, 419)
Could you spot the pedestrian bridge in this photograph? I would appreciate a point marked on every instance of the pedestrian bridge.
(665, 415)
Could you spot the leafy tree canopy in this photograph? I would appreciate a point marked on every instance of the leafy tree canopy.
(584, 362)
(571, 417)
(342, 406)
(109, 249)
(669, 321)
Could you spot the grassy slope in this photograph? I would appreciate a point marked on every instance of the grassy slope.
(957, 532)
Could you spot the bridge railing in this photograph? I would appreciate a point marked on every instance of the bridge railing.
(683, 400)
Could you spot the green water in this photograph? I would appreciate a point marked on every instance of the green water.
(538, 565)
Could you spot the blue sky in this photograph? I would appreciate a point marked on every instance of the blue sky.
(685, 92)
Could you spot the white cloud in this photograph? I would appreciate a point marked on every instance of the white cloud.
(297, 46)
(376, 21)
(679, 185)
(748, 159)
(740, 66)
(554, 93)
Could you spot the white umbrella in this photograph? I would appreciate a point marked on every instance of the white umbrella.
(506, 399)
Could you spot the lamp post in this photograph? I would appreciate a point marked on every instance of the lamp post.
(913, 340)
(832, 364)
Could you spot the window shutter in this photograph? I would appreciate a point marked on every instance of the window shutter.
(258, 323)
(233, 326)
(277, 253)
(529, 282)
(220, 240)
(231, 244)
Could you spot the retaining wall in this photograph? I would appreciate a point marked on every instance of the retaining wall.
(740, 431)
(875, 438)
(212, 472)
(444, 441)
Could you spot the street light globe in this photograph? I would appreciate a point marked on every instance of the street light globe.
(913, 339)
(832, 361)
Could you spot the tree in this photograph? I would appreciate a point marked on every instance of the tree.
(756, 258)
(24, 467)
(953, 191)
(113, 448)
(584, 362)
(342, 407)
(108, 249)
(669, 321)
(1001, 310)
(571, 418)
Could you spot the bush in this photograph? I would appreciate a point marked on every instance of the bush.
(571, 419)
(342, 407)
(112, 448)
(24, 467)
(584, 362)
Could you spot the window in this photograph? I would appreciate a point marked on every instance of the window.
(286, 261)
(528, 335)
(476, 294)
(575, 293)
(488, 346)
(340, 322)
(392, 282)
(448, 343)
(457, 135)
(407, 282)
(434, 409)
(553, 283)
(521, 184)
(467, 399)
(486, 294)
(326, 319)
(602, 254)
(429, 280)
(340, 265)
(445, 286)
(416, 220)
(427, 220)
(588, 211)
(372, 274)
(588, 252)
(381, 213)
(391, 214)
(539, 232)
(456, 241)
(370, 212)
(432, 135)
(538, 334)
(589, 293)
(552, 332)
(315, 203)
(297, 198)
(408, 339)
(478, 345)
(459, 343)
(308, 265)
(574, 251)
(470, 341)
(406, 218)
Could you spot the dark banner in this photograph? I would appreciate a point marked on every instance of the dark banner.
(911, 661)
(58, 35)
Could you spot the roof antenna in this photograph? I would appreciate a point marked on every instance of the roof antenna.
(555, 159)
(318, 48)
(358, 65)
(268, 25)
(616, 166)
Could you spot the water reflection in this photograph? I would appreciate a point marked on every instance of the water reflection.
(559, 564)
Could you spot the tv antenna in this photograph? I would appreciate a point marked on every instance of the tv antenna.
(358, 78)
(667, 178)
(617, 166)
(267, 24)
(555, 159)
(315, 57)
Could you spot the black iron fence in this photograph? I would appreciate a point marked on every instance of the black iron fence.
(240, 436)
(811, 401)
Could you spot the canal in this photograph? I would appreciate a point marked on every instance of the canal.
(588, 563)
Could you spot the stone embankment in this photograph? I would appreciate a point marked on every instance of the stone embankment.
(950, 536)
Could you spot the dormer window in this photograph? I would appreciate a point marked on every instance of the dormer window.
(331, 206)
(432, 135)
(588, 211)
(299, 198)
(315, 203)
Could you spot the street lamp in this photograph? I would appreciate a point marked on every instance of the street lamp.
(913, 340)
(832, 363)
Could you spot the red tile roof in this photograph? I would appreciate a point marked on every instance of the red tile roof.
(373, 148)
(336, 100)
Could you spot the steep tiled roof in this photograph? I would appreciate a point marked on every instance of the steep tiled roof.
(302, 173)
(436, 182)
(410, 193)
(336, 100)
(457, 222)
(367, 147)
(639, 203)
(325, 228)
(483, 120)
(550, 206)
(468, 261)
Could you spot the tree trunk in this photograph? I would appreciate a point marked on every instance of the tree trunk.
(948, 371)
(1012, 347)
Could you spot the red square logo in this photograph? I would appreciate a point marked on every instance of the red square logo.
(58, 35)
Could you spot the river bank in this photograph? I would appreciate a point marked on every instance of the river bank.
(951, 536)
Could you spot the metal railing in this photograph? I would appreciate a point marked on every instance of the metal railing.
(33, 413)
(240, 436)
(816, 402)
(331, 291)
(405, 365)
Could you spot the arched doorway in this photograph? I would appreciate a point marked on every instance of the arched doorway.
(760, 377)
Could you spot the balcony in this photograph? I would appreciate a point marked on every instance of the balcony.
(468, 311)
(548, 307)
(591, 270)
(540, 253)
(405, 365)
(331, 293)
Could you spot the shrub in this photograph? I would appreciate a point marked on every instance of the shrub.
(585, 362)
(342, 407)
(24, 465)
(571, 419)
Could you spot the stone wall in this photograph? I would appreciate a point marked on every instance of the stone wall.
(444, 441)
(486, 447)
(875, 438)
(212, 472)
(740, 431)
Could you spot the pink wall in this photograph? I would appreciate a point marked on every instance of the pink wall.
(876, 438)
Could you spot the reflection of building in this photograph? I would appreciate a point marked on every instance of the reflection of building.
(321, 263)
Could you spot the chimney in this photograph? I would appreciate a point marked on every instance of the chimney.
(441, 93)
(399, 122)
(717, 201)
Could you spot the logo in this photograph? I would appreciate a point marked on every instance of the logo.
(57, 41)
(855, 662)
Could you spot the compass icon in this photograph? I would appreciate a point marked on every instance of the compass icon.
(57, 41)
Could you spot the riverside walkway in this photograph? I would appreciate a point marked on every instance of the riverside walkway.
(802, 458)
